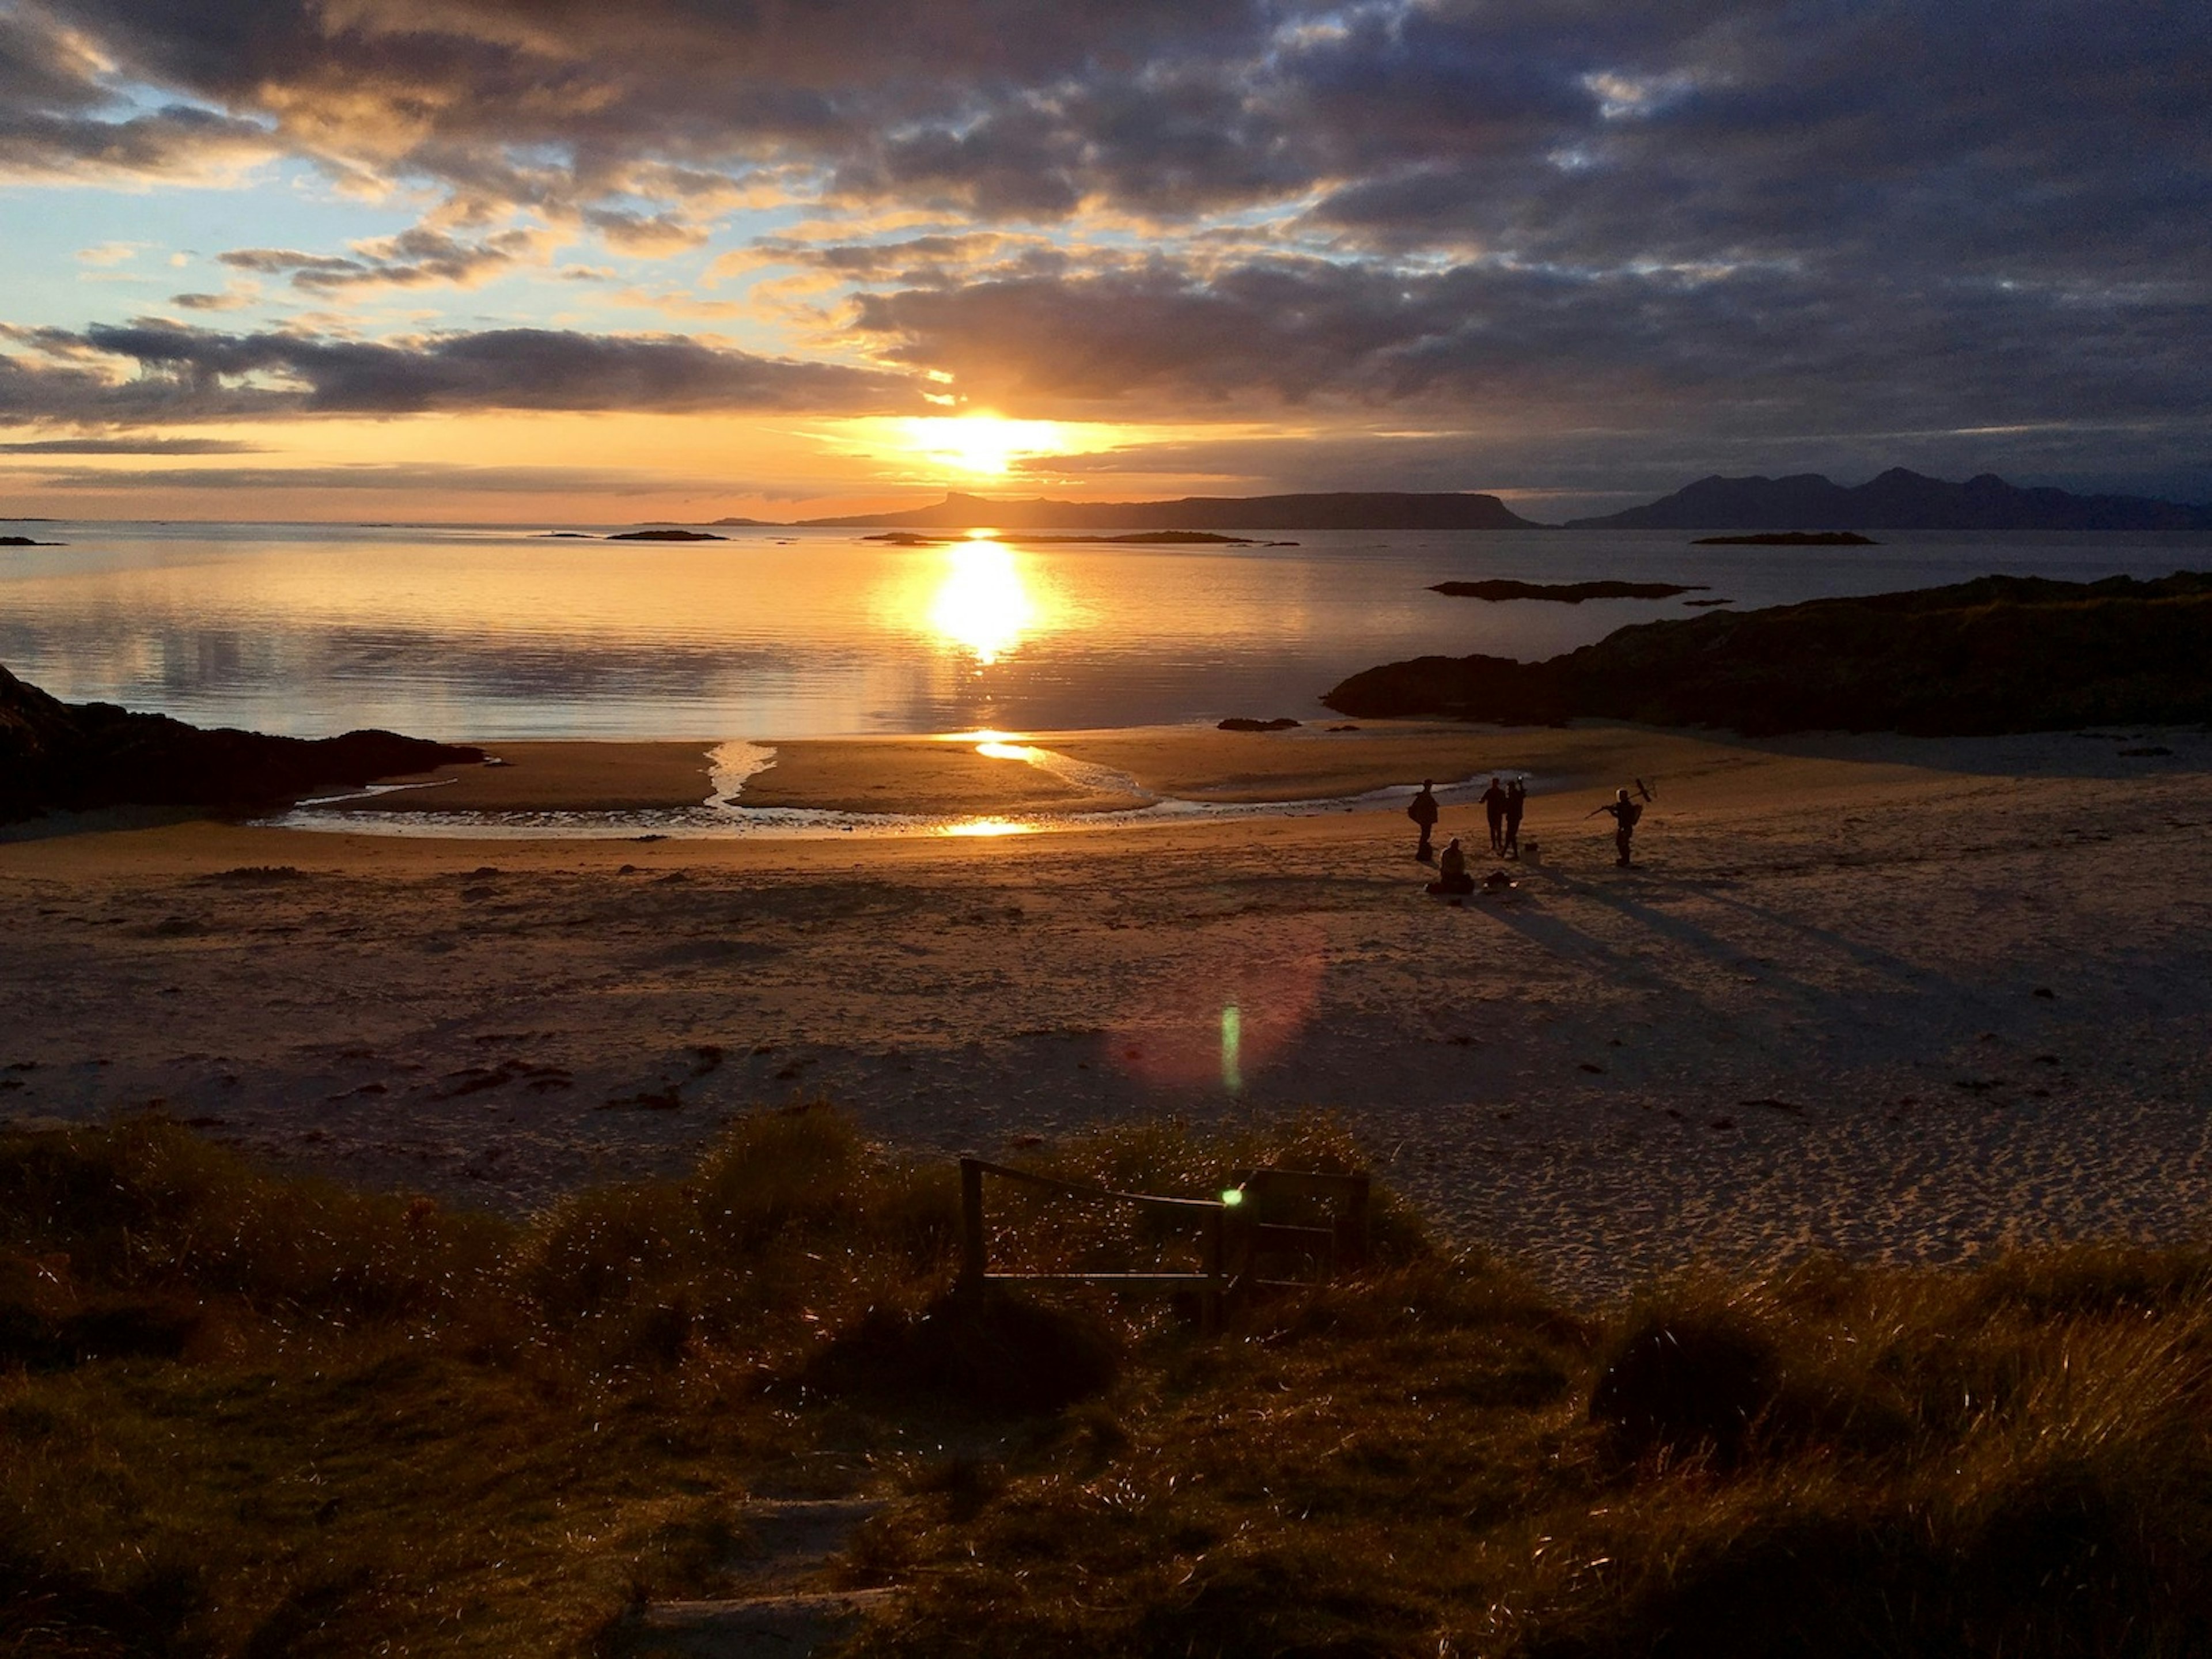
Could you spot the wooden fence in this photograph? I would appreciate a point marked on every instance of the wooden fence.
(1240, 1233)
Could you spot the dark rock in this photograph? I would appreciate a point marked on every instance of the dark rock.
(667, 536)
(58, 756)
(1246, 723)
(25, 541)
(2000, 654)
(1791, 538)
(1564, 592)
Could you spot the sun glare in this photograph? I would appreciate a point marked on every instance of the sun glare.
(981, 604)
(985, 445)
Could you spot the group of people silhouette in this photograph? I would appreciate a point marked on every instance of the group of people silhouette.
(1503, 804)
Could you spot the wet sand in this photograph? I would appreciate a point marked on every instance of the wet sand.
(1814, 1017)
(539, 777)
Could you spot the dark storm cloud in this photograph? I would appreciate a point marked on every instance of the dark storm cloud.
(186, 373)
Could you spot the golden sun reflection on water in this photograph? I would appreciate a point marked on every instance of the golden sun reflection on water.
(981, 603)
(989, 827)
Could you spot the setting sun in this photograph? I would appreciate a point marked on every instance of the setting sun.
(985, 445)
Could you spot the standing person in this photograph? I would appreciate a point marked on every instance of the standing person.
(1624, 813)
(1422, 811)
(1493, 804)
(1516, 803)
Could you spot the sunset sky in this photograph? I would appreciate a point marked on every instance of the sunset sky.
(574, 260)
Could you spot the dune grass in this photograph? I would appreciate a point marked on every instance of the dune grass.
(247, 1414)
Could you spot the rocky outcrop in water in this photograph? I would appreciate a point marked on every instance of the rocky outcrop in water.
(2000, 653)
(59, 756)
(1563, 592)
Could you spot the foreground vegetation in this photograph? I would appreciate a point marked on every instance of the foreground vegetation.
(250, 1415)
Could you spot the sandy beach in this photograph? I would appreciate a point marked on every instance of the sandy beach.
(1906, 999)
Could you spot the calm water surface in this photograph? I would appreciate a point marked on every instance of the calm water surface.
(500, 634)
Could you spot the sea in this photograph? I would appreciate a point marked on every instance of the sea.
(477, 634)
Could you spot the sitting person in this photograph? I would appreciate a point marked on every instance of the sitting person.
(1451, 871)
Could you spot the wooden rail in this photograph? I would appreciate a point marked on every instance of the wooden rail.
(1237, 1233)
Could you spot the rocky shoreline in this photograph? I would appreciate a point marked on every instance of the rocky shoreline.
(58, 757)
(1997, 654)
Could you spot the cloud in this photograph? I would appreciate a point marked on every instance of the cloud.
(1811, 219)
(234, 297)
(415, 478)
(419, 257)
(109, 253)
(1681, 128)
(61, 121)
(558, 106)
(185, 374)
(129, 447)
(650, 235)
(1749, 353)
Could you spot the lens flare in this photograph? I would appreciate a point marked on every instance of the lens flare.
(1219, 1010)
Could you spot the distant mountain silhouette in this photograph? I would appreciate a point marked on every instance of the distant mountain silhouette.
(1360, 510)
(1897, 499)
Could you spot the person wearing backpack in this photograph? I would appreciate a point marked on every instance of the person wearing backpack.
(1423, 810)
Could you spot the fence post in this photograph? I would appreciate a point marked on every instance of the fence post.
(1351, 1246)
(1209, 1317)
(972, 1226)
